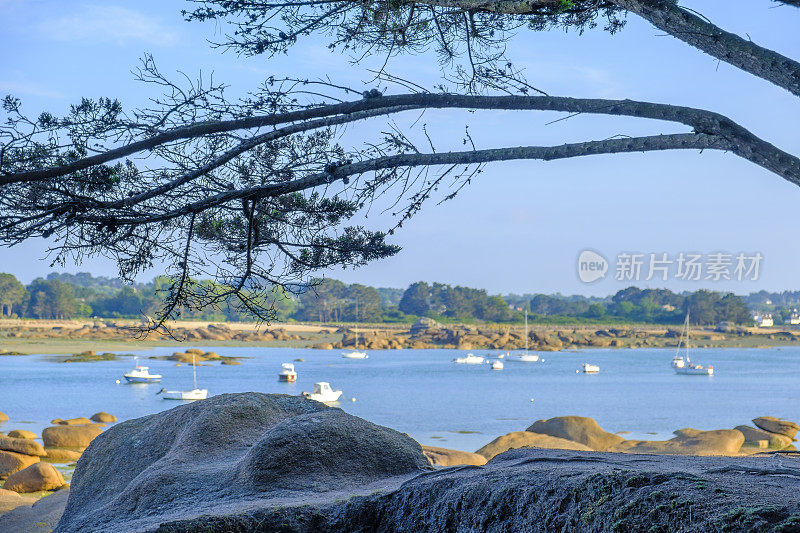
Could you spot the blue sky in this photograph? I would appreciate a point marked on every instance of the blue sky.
(520, 226)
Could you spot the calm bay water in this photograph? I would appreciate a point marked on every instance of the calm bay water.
(421, 392)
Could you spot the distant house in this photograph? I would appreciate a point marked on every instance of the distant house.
(794, 319)
(764, 321)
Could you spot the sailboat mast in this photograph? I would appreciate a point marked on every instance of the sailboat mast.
(356, 326)
(194, 370)
(526, 331)
(687, 336)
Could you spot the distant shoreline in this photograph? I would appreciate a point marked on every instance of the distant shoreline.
(27, 336)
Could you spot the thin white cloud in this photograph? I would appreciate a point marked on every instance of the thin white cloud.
(108, 24)
(16, 88)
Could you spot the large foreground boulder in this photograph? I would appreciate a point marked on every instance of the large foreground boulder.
(230, 452)
(522, 439)
(542, 491)
(39, 476)
(447, 457)
(688, 442)
(776, 425)
(11, 462)
(578, 429)
(23, 446)
(69, 436)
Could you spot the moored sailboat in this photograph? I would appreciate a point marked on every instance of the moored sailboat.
(682, 364)
(525, 357)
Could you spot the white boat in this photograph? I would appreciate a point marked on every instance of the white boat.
(470, 359)
(287, 373)
(323, 393)
(497, 365)
(524, 357)
(194, 394)
(695, 370)
(141, 374)
(682, 364)
(590, 368)
(355, 353)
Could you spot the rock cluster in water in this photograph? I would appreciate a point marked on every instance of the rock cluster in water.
(21, 456)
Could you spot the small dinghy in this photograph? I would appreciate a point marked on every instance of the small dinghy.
(287, 373)
(590, 368)
(497, 365)
(470, 359)
(323, 393)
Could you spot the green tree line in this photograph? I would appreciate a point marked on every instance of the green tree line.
(62, 296)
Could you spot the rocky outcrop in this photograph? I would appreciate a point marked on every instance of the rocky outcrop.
(42, 516)
(23, 446)
(231, 452)
(103, 417)
(69, 436)
(764, 439)
(21, 434)
(35, 478)
(446, 457)
(776, 425)
(80, 421)
(11, 462)
(522, 439)
(62, 455)
(577, 429)
(688, 442)
(11, 500)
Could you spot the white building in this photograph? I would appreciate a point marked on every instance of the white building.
(764, 321)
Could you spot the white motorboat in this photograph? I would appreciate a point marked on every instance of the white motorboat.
(682, 364)
(470, 359)
(141, 374)
(590, 368)
(194, 394)
(323, 393)
(524, 357)
(355, 353)
(287, 373)
(497, 365)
